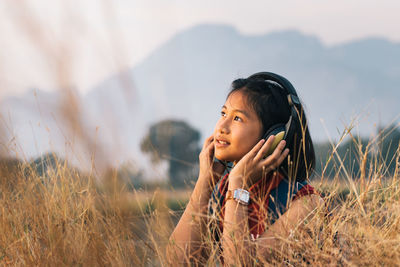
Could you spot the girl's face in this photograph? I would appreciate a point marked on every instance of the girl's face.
(238, 130)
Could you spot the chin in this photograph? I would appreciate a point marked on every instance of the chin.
(221, 156)
(224, 157)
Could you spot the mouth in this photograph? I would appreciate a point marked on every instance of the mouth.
(221, 143)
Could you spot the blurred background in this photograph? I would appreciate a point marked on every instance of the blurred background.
(138, 85)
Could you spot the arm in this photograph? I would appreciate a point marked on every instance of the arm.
(238, 240)
(236, 237)
(186, 240)
(299, 212)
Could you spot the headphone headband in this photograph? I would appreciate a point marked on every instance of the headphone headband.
(293, 99)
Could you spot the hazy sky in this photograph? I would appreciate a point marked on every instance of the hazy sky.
(48, 43)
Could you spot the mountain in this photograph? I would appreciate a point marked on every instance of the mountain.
(189, 76)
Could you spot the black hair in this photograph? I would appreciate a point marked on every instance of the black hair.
(269, 101)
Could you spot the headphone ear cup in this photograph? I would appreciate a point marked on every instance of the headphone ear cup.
(278, 137)
(279, 131)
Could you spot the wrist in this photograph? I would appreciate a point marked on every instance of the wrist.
(200, 195)
(204, 183)
(198, 205)
(236, 182)
(241, 196)
(209, 179)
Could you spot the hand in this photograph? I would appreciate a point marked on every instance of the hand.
(208, 168)
(254, 166)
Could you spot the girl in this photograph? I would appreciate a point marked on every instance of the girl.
(263, 173)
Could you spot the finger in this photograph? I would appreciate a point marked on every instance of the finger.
(253, 152)
(279, 161)
(278, 150)
(282, 157)
(209, 149)
(208, 141)
(264, 149)
(276, 158)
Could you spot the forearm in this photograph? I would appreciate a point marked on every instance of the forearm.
(186, 239)
(269, 244)
(298, 218)
(235, 239)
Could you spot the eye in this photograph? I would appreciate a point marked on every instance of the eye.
(223, 114)
(237, 118)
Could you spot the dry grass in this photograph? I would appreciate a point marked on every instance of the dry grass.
(63, 218)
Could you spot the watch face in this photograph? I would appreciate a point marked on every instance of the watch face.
(242, 196)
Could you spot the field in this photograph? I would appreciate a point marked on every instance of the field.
(59, 216)
(64, 218)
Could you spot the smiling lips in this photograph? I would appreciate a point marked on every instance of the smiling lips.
(221, 143)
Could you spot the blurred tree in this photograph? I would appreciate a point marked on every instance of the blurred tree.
(43, 164)
(360, 156)
(354, 153)
(323, 159)
(129, 174)
(178, 143)
(389, 146)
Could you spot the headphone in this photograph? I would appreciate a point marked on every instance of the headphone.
(282, 131)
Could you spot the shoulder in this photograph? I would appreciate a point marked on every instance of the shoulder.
(308, 193)
(303, 205)
(304, 201)
(301, 211)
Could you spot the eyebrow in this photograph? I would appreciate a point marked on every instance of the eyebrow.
(238, 110)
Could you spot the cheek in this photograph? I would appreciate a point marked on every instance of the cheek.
(250, 138)
(247, 145)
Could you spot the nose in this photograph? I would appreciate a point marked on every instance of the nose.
(223, 126)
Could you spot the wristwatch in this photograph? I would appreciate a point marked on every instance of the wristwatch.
(240, 195)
